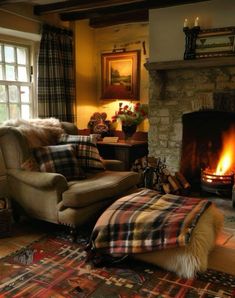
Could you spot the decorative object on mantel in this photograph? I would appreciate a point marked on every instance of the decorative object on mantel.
(99, 125)
(190, 39)
(131, 116)
(215, 42)
(120, 75)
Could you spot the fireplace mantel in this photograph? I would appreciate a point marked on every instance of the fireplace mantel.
(189, 64)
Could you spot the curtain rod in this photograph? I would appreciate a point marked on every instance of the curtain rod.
(19, 15)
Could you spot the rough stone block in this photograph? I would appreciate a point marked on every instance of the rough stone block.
(163, 112)
(165, 120)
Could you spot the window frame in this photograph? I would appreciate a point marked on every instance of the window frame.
(31, 64)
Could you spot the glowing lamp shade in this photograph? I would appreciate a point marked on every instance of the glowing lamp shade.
(116, 92)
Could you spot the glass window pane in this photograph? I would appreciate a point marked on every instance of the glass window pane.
(1, 74)
(3, 94)
(9, 54)
(0, 52)
(3, 113)
(21, 56)
(22, 74)
(25, 112)
(14, 111)
(10, 73)
(13, 93)
(24, 93)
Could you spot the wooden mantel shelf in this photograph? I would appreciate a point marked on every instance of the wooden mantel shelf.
(189, 64)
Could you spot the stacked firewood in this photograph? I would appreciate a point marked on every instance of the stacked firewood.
(157, 176)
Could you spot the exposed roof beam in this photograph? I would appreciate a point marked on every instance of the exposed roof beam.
(122, 8)
(101, 12)
(123, 18)
(77, 5)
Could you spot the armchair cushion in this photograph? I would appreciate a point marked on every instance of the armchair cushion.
(59, 159)
(98, 186)
(87, 152)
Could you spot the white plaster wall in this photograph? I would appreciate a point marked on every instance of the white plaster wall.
(167, 39)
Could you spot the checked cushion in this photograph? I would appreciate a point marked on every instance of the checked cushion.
(59, 159)
(87, 152)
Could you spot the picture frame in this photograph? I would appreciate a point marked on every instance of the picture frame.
(120, 75)
(215, 42)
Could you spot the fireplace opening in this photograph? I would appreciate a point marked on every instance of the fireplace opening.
(208, 148)
(220, 179)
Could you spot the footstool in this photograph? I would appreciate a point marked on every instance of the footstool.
(173, 232)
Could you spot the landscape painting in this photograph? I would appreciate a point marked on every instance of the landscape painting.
(120, 73)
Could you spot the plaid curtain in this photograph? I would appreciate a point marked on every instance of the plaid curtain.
(56, 88)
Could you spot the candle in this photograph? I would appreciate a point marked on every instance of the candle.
(186, 23)
(196, 22)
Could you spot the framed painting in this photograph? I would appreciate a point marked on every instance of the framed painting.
(215, 42)
(120, 75)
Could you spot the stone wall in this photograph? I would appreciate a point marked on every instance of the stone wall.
(174, 93)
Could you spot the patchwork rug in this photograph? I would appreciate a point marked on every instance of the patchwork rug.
(55, 267)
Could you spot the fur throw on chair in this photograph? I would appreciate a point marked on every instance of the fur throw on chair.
(38, 132)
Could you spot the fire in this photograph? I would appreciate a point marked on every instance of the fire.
(226, 160)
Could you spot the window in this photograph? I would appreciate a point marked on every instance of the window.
(15, 82)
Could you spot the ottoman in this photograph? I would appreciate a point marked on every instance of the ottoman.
(174, 232)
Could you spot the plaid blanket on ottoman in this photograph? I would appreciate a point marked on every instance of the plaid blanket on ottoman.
(146, 221)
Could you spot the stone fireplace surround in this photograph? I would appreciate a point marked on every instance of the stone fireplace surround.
(182, 87)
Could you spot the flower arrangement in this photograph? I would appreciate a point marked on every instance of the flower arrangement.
(131, 114)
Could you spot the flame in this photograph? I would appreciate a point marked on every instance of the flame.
(227, 156)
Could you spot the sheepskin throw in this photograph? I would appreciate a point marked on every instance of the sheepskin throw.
(38, 132)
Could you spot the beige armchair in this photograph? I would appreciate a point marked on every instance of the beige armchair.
(49, 196)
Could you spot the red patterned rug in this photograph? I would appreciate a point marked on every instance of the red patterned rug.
(56, 268)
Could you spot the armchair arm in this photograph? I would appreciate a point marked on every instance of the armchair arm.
(40, 180)
(114, 165)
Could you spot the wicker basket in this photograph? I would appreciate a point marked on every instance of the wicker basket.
(5, 219)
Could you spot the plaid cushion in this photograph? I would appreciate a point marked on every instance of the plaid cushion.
(59, 159)
(87, 152)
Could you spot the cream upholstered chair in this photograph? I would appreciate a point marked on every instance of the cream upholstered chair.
(50, 196)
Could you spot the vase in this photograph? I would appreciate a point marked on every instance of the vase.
(129, 130)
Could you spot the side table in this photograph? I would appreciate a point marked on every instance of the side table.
(126, 151)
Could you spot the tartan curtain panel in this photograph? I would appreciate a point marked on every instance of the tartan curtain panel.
(56, 88)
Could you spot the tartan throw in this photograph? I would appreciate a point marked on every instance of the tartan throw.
(87, 152)
(147, 221)
(59, 159)
(56, 85)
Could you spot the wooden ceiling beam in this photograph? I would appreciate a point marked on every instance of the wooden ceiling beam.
(120, 18)
(101, 12)
(77, 5)
(122, 8)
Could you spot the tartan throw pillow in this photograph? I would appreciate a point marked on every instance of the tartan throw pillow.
(59, 159)
(87, 152)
